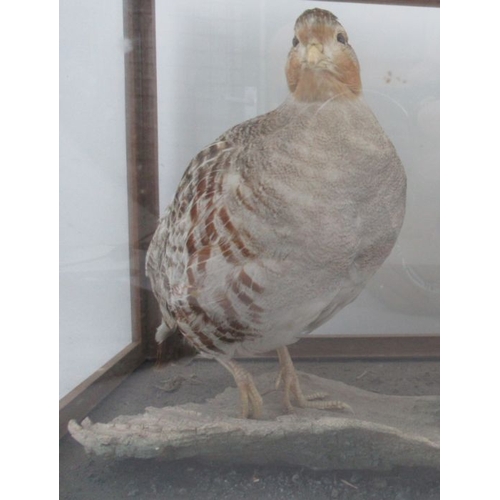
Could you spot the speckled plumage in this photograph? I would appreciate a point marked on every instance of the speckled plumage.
(281, 221)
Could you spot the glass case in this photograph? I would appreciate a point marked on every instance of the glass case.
(144, 86)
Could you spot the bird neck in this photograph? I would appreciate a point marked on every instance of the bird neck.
(321, 85)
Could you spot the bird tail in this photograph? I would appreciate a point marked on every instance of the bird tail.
(172, 346)
(162, 333)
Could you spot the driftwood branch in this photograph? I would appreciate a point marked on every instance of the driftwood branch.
(384, 432)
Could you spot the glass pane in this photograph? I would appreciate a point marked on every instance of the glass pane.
(222, 63)
(95, 322)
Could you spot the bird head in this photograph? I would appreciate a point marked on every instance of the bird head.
(321, 63)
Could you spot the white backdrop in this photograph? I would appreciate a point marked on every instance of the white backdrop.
(219, 63)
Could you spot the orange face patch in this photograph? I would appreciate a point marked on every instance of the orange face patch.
(317, 84)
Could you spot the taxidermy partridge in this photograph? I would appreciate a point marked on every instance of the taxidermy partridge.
(279, 223)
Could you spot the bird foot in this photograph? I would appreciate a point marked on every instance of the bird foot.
(292, 388)
(291, 384)
(251, 400)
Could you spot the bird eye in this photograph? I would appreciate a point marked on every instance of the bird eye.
(341, 38)
(295, 41)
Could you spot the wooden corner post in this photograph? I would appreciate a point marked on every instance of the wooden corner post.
(142, 161)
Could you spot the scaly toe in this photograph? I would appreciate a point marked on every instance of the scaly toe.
(317, 395)
(328, 405)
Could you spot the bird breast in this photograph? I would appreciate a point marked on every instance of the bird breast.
(331, 184)
(269, 237)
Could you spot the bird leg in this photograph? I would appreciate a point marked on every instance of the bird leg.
(290, 380)
(251, 400)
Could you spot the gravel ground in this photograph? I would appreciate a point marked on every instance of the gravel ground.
(83, 477)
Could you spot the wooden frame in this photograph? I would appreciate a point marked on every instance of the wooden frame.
(367, 347)
(407, 3)
(87, 395)
(142, 161)
(143, 196)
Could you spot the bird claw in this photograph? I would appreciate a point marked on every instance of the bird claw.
(288, 376)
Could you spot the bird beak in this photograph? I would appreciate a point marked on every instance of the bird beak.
(314, 53)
